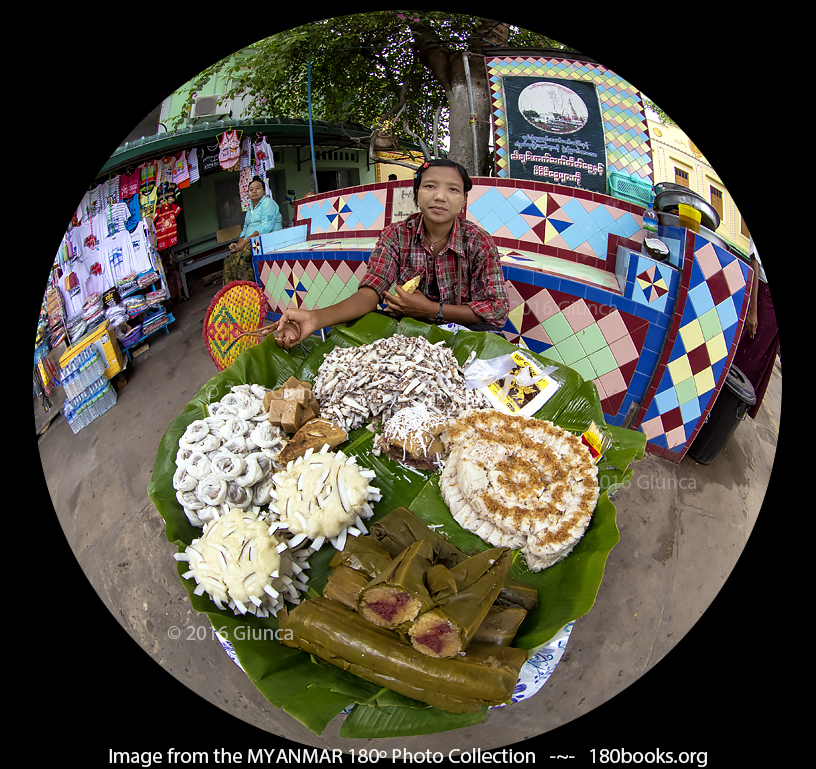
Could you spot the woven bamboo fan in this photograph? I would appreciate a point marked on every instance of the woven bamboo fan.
(234, 321)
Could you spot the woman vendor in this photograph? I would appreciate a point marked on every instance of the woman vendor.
(461, 277)
(262, 217)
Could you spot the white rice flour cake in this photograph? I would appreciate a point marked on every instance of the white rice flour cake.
(519, 482)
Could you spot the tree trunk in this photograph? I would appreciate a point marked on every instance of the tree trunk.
(448, 67)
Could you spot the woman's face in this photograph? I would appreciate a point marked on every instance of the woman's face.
(255, 190)
(441, 196)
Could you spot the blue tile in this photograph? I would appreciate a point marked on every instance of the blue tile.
(655, 337)
(666, 401)
(700, 297)
(727, 314)
(638, 385)
(690, 411)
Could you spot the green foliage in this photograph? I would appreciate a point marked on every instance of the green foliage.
(362, 66)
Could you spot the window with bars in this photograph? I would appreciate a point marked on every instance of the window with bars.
(681, 177)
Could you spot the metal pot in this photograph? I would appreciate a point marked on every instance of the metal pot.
(668, 200)
(672, 220)
(661, 186)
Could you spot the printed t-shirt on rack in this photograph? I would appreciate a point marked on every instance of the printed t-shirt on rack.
(165, 221)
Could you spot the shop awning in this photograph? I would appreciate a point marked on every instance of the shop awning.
(279, 131)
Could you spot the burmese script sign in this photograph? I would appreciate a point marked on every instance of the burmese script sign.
(555, 132)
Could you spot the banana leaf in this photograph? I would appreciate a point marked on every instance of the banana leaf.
(289, 678)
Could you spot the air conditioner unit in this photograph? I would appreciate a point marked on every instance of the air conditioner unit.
(208, 106)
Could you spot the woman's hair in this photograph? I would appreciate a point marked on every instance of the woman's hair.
(467, 184)
(257, 179)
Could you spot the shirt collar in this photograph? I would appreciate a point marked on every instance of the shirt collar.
(454, 238)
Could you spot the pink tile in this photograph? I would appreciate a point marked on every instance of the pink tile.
(624, 350)
(326, 270)
(311, 270)
(676, 437)
(707, 259)
(613, 382)
(653, 428)
(613, 327)
(538, 333)
(344, 272)
(578, 315)
(734, 277)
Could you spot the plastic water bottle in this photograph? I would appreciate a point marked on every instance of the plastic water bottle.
(650, 220)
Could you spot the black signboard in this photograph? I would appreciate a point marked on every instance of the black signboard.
(555, 132)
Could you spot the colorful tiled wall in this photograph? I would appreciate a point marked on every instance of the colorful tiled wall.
(655, 338)
(702, 340)
(627, 139)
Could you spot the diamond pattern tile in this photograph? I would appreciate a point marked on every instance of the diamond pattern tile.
(689, 384)
(601, 343)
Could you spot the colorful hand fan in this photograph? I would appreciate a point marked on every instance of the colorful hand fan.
(234, 321)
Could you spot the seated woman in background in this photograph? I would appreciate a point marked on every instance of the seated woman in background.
(461, 277)
(262, 217)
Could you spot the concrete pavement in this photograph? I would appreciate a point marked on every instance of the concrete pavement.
(683, 528)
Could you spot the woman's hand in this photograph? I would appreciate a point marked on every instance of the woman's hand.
(294, 326)
(414, 305)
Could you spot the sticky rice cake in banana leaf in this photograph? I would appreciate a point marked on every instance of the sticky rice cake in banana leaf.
(362, 554)
(346, 581)
(499, 626)
(463, 596)
(484, 675)
(398, 594)
(400, 528)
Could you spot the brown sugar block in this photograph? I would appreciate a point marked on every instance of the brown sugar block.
(313, 435)
(290, 417)
(275, 412)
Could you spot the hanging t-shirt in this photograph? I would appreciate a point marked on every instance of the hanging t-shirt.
(246, 153)
(243, 188)
(192, 164)
(209, 159)
(165, 221)
(181, 171)
(135, 213)
(264, 160)
(129, 184)
(229, 153)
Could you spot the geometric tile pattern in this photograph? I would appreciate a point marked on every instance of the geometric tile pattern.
(652, 283)
(627, 141)
(308, 283)
(563, 222)
(696, 365)
(351, 212)
(601, 343)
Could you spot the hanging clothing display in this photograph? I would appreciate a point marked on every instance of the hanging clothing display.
(229, 154)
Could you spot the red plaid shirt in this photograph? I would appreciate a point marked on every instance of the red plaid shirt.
(403, 251)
